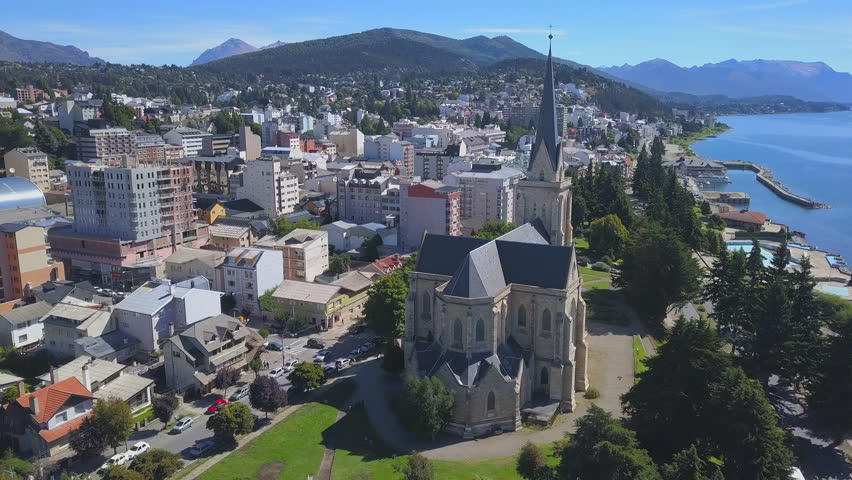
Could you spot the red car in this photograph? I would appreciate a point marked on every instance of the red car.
(217, 405)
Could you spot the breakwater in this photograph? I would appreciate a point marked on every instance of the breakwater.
(764, 176)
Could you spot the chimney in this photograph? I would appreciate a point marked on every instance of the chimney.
(34, 406)
(22, 388)
(52, 375)
(87, 378)
(171, 329)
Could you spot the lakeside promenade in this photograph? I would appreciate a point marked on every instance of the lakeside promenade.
(764, 176)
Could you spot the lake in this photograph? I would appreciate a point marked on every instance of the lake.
(810, 153)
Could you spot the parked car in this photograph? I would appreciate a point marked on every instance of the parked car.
(117, 459)
(138, 449)
(343, 363)
(358, 328)
(315, 343)
(797, 474)
(182, 424)
(217, 405)
(240, 393)
(329, 370)
(290, 365)
(202, 447)
(321, 356)
(276, 372)
(366, 347)
(274, 346)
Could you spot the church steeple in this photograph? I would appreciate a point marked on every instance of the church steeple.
(547, 135)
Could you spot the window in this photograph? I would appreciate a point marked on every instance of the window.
(22, 338)
(545, 321)
(230, 283)
(79, 408)
(480, 330)
(457, 334)
(544, 377)
(491, 405)
(250, 296)
(176, 354)
(522, 316)
(61, 417)
(425, 308)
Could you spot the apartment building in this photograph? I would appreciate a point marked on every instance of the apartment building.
(433, 163)
(189, 139)
(21, 328)
(150, 149)
(189, 263)
(268, 184)
(216, 144)
(488, 192)
(249, 143)
(29, 163)
(349, 143)
(30, 94)
(428, 207)
(390, 148)
(111, 145)
(71, 319)
(305, 252)
(248, 273)
(24, 262)
(72, 112)
(366, 195)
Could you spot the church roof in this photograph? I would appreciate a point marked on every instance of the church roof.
(547, 134)
(469, 369)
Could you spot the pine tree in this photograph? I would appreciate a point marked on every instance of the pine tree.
(803, 335)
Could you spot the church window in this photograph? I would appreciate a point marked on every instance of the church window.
(545, 321)
(480, 330)
(522, 316)
(545, 376)
(425, 309)
(457, 334)
(491, 404)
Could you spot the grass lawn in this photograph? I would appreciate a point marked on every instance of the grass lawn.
(595, 280)
(582, 247)
(638, 357)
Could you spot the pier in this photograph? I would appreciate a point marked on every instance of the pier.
(764, 176)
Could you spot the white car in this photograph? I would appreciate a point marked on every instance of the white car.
(276, 372)
(137, 450)
(321, 356)
(290, 365)
(117, 459)
(182, 424)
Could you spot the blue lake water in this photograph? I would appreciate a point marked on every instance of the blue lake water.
(810, 153)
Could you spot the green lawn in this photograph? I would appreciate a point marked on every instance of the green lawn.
(638, 357)
(595, 280)
(582, 247)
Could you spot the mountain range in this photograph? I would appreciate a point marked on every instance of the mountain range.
(229, 48)
(14, 49)
(813, 81)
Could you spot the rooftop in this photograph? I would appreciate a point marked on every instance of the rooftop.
(53, 397)
(99, 370)
(106, 344)
(228, 231)
(213, 258)
(26, 313)
(18, 192)
(306, 291)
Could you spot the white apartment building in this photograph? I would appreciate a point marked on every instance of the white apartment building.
(29, 163)
(488, 192)
(189, 139)
(349, 143)
(248, 273)
(270, 186)
(305, 252)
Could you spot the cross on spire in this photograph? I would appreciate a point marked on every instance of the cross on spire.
(550, 32)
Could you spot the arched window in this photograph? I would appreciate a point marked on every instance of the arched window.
(480, 330)
(522, 316)
(545, 320)
(457, 334)
(544, 377)
(426, 308)
(491, 406)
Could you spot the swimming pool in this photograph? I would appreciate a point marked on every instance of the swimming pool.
(747, 246)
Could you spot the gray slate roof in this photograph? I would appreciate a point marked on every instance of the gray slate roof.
(106, 344)
(26, 313)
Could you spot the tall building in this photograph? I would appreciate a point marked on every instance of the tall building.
(545, 194)
(111, 145)
(150, 149)
(72, 112)
(367, 195)
(270, 186)
(190, 139)
(432, 163)
(305, 252)
(29, 94)
(489, 192)
(249, 143)
(248, 273)
(349, 143)
(428, 207)
(29, 163)
(390, 148)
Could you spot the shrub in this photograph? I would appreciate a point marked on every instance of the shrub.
(263, 332)
(583, 261)
(607, 260)
(601, 267)
(592, 393)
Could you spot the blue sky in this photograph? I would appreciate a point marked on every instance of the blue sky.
(687, 33)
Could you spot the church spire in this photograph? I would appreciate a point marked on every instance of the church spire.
(546, 132)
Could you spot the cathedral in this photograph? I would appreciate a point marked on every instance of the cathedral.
(501, 322)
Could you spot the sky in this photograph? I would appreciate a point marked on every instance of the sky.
(624, 31)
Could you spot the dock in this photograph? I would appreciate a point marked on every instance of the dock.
(764, 176)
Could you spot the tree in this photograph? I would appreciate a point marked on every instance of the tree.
(226, 378)
(531, 463)
(607, 236)
(418, 467)
(492, 229)
(658, 271)
(831, 389)
(427, 405)
(120, 472)
(164, 407)
(268, 303)
(11, 394)
(371, 247)
(87, 440)
(156, 464)
(339, 264)
(282, 225)
(602, 449)
(266, 395)
(385, 306)
(9, 464)
(114, 420)
(804, 337)
(688, 465)
(231, 420)
(256, 366)
(307, 376)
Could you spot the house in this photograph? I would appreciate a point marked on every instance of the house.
(189, 263)
(115, 346)
(386, 265)
(305, 252)
(193, 356)
(322, 305)
(105, 379)
(40, 423)
(226, 237)
(345, 236)
(159, 307)
(21, 328)
(744, 219)
(249, 273)
(8, 380)
(71, 319)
